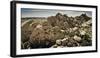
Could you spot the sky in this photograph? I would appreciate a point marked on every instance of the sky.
(30, 12)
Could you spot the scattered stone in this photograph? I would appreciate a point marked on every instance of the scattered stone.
(62, 30)
(64, 42)
(26, 45)
(75, 28)
(58, 42)
(39, 26)
(54, 46)
(64, 39)
(77, 38)
(84, 25)
(82, 32)
(60, 46)
(69, 44)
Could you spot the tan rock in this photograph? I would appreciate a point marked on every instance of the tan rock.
(54, 46)
(60, 46)
(75, 28)
(58, 42)
(82, 32)
(77, 38)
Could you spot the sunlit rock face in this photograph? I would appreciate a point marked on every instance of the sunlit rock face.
(57, 31)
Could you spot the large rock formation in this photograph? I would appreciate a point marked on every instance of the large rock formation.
(57, 31)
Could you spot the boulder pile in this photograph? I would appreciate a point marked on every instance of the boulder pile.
(57, 32)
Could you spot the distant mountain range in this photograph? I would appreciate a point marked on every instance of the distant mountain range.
(34, 18)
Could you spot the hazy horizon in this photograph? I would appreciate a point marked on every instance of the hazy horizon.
(28, 12)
